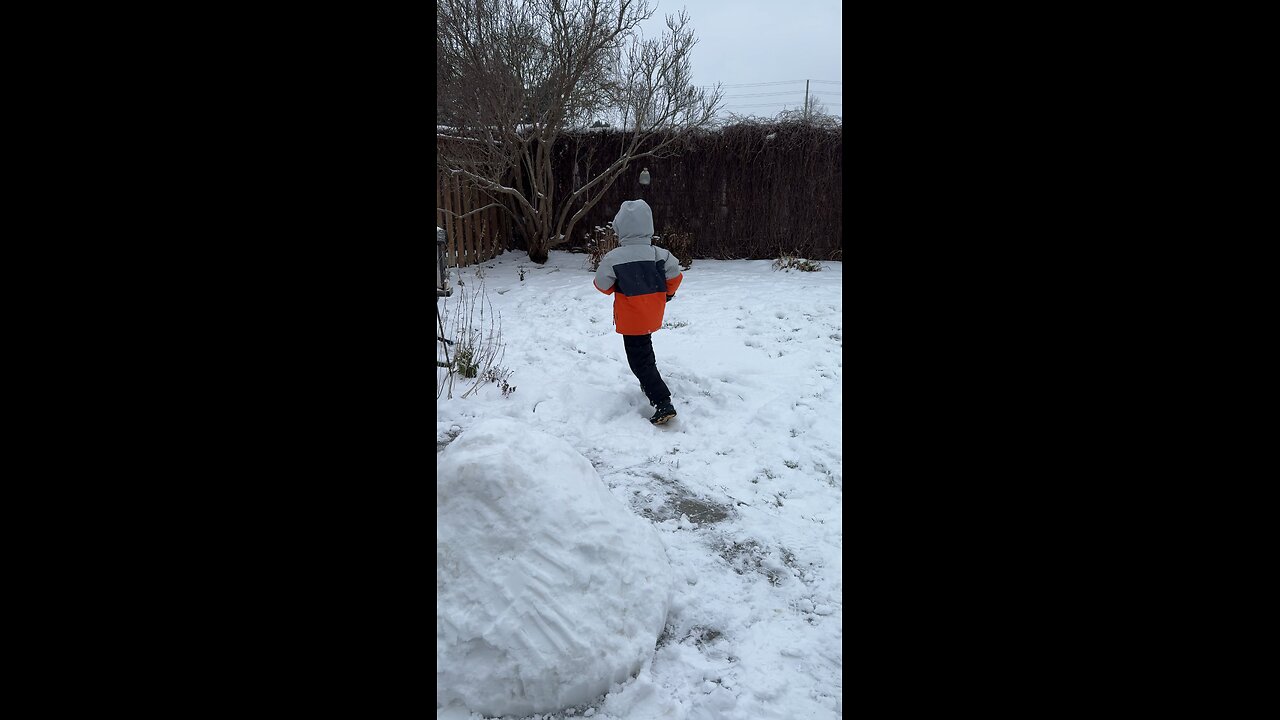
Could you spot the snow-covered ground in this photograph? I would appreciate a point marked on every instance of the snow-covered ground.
(744, 486)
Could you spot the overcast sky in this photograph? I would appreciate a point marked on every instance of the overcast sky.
(747, 42)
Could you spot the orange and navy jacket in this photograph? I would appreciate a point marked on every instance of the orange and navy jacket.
(637, 274)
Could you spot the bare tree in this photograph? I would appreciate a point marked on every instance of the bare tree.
(513, 76)
(816, 107)
(815, 114)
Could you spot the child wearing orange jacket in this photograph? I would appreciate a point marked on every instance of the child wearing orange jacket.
(642, 279)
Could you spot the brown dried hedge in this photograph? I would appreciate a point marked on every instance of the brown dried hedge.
(751, 190)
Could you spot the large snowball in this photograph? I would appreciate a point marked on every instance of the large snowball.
(548, 590)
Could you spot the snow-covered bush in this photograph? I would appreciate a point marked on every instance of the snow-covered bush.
(501, 377)
(599, 242)
(679, 242)
(475, 331)
(786, 262)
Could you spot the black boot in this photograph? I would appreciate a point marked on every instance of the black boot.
(665, 412)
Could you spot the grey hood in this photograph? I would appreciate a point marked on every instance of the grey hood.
(634, 223)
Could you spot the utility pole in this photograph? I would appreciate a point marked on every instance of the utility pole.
(806, 101)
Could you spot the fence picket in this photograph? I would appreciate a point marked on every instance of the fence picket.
(469, 194)
(446, 188)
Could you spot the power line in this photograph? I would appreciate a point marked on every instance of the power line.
(779, 82)
(800, 100)
(772, 104)
(784, 92)
(767, 94)
(786, 98)
(777, 92)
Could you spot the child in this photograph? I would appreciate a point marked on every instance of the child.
(646, 278)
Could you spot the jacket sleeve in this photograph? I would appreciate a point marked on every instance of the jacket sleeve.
(672, 271)
(605, 279)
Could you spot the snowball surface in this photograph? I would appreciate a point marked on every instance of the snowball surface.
(548, 589)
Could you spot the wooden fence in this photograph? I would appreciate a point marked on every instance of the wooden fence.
(752, 190)
(475, 238)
